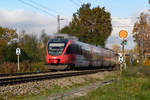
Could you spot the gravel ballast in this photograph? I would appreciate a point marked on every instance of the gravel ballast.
(38, 86)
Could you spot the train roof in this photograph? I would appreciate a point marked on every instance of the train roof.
(62, 39)
(59, 40)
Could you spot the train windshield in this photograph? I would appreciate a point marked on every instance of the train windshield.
(56, 48)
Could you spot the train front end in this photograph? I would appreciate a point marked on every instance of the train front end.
(56, 57)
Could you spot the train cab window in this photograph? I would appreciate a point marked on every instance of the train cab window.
(68, 51)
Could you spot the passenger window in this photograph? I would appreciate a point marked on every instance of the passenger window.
(73, 49)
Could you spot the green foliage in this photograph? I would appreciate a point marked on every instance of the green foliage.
(9, 53)
(90, 25)
(31, 47)
(32, 50)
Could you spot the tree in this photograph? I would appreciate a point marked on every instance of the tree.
(7, 34)
(3, 43)
(142, 36)
(30, 45)
(90, 25)
(44, 39)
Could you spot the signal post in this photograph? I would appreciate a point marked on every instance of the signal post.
(123, 34)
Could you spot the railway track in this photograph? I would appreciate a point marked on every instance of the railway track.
(22, 73)
(23, 79)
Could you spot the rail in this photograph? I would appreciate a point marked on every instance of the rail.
(24, 79)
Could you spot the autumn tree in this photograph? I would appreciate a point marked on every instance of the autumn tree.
(3, 43)
(141, 32)
(7, 34)
(91, 25)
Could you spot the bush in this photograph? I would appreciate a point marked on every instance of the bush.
(38, 66)
(137, 72)
(8, 67)
(25, 66)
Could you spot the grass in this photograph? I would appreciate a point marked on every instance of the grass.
(133, 85)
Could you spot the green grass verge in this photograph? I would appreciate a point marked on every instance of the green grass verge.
(134, 84)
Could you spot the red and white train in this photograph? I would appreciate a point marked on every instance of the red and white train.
(62, 53)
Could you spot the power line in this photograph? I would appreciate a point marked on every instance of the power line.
(46, 8)
(74, 3)
(31, 5)
(81, 1)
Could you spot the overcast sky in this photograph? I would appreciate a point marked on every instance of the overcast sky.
(35, 15)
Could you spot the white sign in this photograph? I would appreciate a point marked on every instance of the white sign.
(121, 59)
(18, 51)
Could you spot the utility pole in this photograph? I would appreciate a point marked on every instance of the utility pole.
(58, 23)
(149, 4)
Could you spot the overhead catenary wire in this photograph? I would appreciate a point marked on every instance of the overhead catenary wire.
(42, 6)
(31, 5)
(72, 1)
(81, 1)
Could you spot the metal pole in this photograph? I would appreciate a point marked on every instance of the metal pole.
(123, 48)
(18, 55)
(124, 64)
(58, 23)
(18, 63)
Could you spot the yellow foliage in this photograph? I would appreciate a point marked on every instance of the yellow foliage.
(146, 62)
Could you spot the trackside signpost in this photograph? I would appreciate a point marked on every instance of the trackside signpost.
(123, 34)
(121, 59)
(18, 52)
